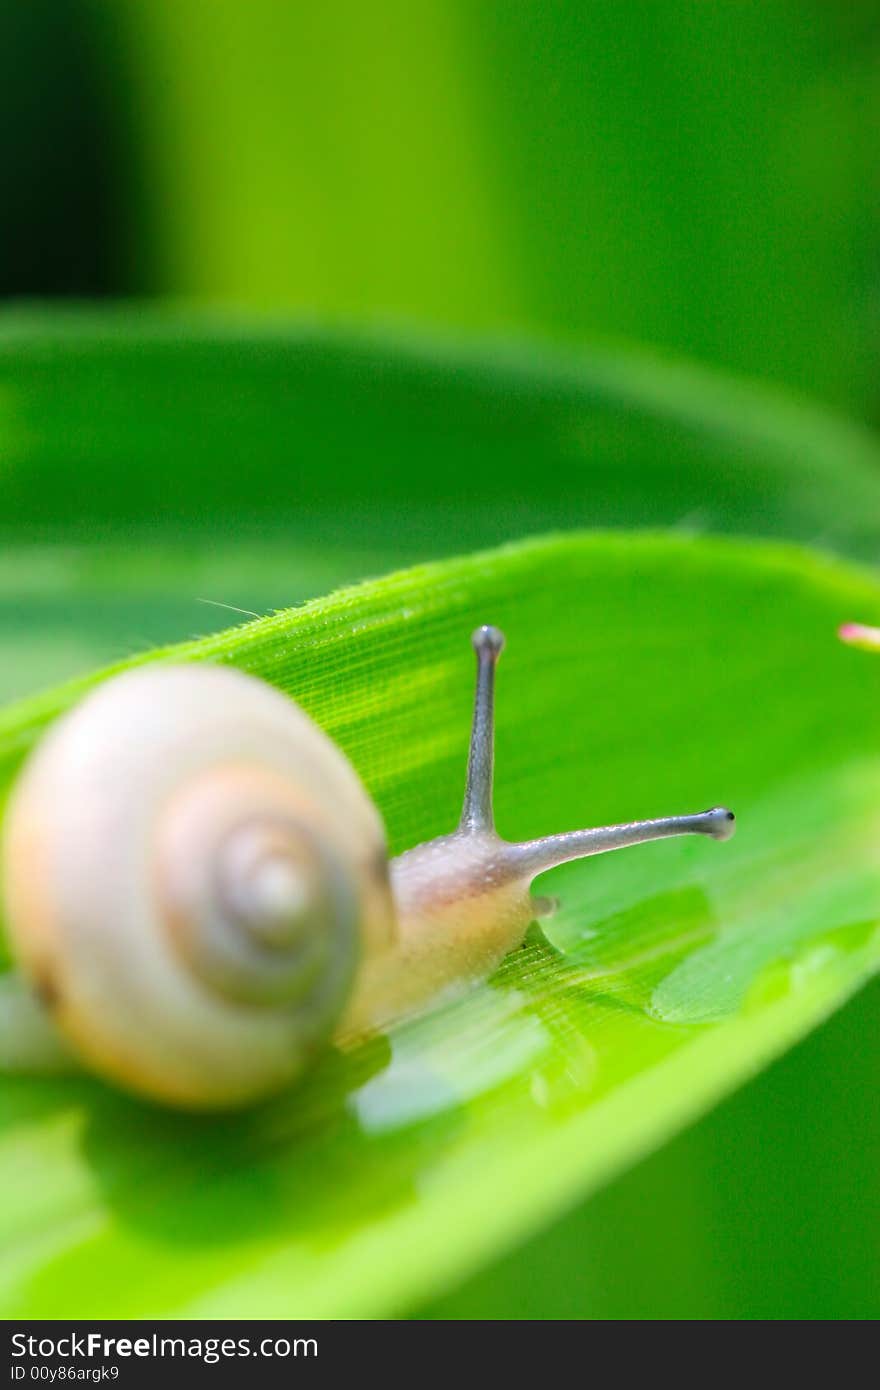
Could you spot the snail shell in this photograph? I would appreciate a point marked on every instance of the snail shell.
(193, 873)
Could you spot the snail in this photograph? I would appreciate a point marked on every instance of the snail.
(198, 893)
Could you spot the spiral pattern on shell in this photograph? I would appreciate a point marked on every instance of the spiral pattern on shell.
(256, 901)
(192, 875)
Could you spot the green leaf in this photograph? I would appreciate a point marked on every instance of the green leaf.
(642, 675)
(227, 430)
(156, 466)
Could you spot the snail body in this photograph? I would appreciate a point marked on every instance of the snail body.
(197, 886)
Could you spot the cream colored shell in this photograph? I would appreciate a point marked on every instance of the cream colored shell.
(106, 841)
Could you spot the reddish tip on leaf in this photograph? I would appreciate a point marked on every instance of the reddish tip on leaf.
(858, 635)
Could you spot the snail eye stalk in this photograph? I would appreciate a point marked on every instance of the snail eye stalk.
(533, 857)
(476, 815)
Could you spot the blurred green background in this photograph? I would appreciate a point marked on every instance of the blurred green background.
(700, 179)
(703, 177)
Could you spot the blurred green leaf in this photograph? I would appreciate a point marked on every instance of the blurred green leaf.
(151, 461)
(226, 429)
(767, 1208)
(642, 675)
